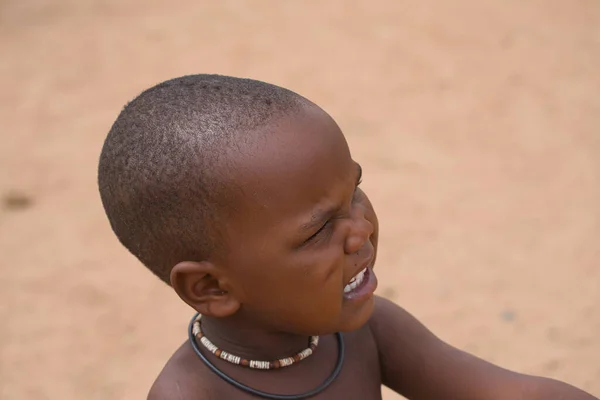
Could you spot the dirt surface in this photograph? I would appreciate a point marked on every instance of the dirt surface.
(477, 124)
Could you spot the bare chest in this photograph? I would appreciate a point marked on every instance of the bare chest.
(359, 378)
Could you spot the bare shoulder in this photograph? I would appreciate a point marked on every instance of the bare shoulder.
(183, 378)
(418, 365)
(390, 322)
(385, 309)
(402, 341)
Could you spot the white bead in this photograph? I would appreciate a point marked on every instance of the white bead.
(305, 353)
(259, 364)
(284, 362)
(207, 343)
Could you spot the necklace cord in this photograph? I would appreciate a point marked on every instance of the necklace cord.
(266, 395)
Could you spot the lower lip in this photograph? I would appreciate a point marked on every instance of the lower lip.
(366, 289)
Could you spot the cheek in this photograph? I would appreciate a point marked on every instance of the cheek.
(370, 214)
(372, 218)
(312, 283)
(294, 275)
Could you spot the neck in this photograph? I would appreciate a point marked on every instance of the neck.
(251, 342)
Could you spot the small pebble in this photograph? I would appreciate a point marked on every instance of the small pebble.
(508, 316)
(16, 201)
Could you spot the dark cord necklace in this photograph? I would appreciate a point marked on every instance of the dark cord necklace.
(241, 386)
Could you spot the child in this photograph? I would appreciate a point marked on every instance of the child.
(243, 197)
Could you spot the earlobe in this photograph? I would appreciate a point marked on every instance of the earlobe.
(204, 287)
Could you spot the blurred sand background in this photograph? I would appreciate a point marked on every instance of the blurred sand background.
(477, 123)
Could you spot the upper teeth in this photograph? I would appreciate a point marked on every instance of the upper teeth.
(354, 282)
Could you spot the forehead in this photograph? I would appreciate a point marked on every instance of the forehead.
(296, 164)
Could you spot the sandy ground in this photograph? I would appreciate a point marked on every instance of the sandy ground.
(477, 124)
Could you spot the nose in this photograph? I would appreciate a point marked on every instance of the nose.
(360, 231)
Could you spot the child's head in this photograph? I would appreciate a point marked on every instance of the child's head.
(242, 196)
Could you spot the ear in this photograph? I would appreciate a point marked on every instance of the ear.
(204, 287)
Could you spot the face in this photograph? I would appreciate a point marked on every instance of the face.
(303, 232)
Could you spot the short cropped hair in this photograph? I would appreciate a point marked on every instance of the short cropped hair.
(161, 170)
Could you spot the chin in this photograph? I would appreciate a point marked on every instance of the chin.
(357, 318)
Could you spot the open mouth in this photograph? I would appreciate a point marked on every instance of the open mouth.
(362, 285)
(357, 281)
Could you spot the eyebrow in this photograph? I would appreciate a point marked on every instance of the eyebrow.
(319, 217)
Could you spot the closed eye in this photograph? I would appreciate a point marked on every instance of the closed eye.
(331, 213)
(314, 235)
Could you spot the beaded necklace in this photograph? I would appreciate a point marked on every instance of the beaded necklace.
(195, 334)
(283, 362)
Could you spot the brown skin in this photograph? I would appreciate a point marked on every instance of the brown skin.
(283, 278)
